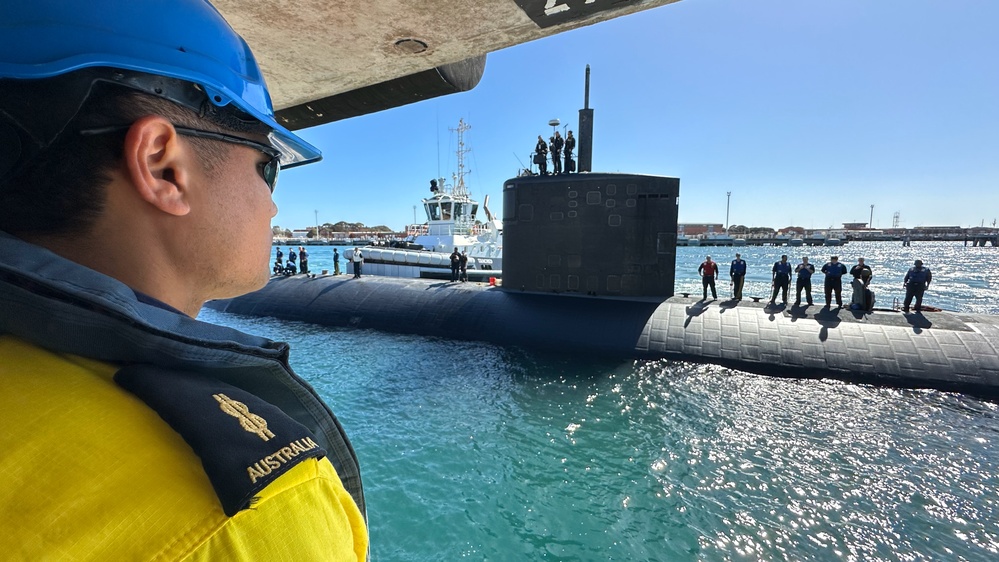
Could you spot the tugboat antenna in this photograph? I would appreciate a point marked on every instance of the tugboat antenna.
(459, 188)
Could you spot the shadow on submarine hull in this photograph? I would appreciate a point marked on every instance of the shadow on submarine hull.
(942, 350)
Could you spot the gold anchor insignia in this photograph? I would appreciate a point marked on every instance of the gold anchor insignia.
(250, 422)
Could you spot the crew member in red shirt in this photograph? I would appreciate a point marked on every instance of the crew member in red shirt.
(708, 271)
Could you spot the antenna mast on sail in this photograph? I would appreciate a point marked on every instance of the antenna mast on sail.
(459, 178)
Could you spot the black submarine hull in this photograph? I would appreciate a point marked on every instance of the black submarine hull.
(938, 350)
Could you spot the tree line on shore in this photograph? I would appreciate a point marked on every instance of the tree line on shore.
(328, 229)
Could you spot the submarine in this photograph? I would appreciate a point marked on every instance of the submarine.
(589, 265)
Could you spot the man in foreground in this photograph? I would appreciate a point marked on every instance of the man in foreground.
(131, 430)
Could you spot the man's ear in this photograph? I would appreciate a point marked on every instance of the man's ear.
(157, 165)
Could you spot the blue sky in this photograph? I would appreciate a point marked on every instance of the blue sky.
(809, 112)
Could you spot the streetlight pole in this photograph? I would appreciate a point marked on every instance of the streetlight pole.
(871, 224)
(728, 200)
(317, 225)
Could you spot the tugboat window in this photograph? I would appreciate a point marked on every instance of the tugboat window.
(446, 211)
(434, 212)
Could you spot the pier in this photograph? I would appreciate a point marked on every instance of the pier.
(769, 241)
(983, 239)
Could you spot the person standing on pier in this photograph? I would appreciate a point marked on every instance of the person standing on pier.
(834, 272)
(708, 270)
(804, 281)
(570, 145)
(781, 279)
(541, 156)
(737, 271)
(556, 148)
(916, 281)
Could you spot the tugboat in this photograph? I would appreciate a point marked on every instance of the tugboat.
(451, 223)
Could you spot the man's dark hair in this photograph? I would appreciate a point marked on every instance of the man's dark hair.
(61, 191)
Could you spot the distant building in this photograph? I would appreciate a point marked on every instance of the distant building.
(694, 229)
(791, 231)
(854, 225)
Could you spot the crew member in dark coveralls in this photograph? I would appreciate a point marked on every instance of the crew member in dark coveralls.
(916, 281)
(570, 144)
(804, 271)
(834, 272)
(708, 270)
(556, 148)
(737, 272)
(541, 156)
(455, 264)
(303, 260)
(861, 280)
(463, 268)
(280, 256)
(336, 262)
(781, 279)
(292, 256)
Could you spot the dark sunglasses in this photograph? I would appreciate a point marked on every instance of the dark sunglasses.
(268, 170)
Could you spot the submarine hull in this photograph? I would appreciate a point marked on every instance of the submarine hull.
(931, 350)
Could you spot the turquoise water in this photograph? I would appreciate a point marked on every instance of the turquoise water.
(472, 451)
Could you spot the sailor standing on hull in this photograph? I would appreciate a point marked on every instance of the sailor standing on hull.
(737, 272)
(861, 274)
(708, 270)
(781, 279)
(455, 264)
(357, 258)
(916, 281)
(804, 281)
(834, 272)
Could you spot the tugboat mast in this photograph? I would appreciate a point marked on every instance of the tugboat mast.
(459, 189)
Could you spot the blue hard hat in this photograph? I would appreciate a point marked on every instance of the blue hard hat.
(182, 39)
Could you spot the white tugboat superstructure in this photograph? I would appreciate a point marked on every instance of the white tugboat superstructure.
(451, 223)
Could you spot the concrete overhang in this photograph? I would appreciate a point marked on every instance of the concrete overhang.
(326, 61)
